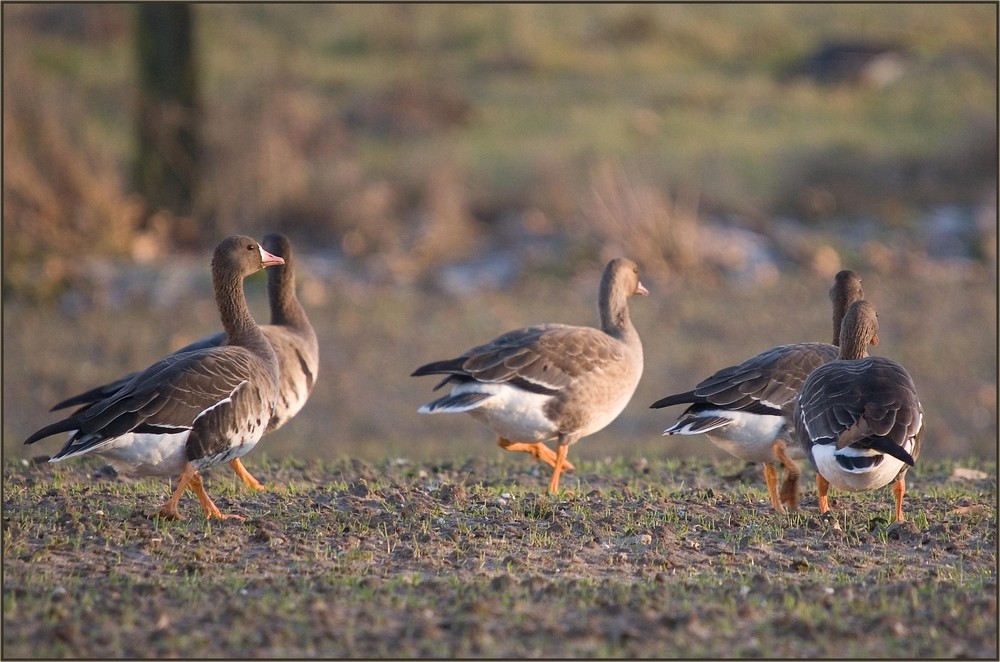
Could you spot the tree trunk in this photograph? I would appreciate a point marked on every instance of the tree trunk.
(167, 164)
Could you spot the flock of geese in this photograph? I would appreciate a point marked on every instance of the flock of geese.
(855, 417)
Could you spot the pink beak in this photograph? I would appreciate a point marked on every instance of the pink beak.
(270, 260)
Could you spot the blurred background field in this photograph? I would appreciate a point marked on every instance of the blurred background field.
(447, 173)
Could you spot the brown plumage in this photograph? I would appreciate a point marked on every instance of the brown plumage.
(189, 411)
(858, 418)
(746, 409)
(550, 381)
(290, 334)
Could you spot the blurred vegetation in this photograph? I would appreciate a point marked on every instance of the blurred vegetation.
(404, 134)
(391, 142)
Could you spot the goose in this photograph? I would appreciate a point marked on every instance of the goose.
(551, 381)
(193, 410)
(745, 409)
(858, 418)
(291, 336)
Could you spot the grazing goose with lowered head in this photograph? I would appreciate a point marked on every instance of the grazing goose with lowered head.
(291, 336)
(189, 411)
(858, 418)
(551, 381)
(745, 409)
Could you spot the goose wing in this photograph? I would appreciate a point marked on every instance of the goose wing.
(167, 397)
(541, 359)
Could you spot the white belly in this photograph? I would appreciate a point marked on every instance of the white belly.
(519, 415)
(751, 437)
(858, 480)
(512, 413)
(146, 454)
(138, 454)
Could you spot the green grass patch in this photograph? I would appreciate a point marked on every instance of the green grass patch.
(472, 559)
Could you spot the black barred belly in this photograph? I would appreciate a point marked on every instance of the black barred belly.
(858, 462)
(227, 431)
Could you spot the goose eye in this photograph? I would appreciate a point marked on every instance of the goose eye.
(249, 247)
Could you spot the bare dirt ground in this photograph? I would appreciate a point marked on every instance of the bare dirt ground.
(398, 559)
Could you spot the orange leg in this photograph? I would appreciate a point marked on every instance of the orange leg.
(789, 493)
(245, 476)
(189, 478)
(822, 487)
(558, 467)
(898, 490)
(170, 509)
(211, 510)
(771, 478)
(539, 451)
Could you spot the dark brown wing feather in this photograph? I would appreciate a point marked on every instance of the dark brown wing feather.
(867, 402)
(169, 395)
(103, 391)
(544, 358)
(765, 383)
(298, 362)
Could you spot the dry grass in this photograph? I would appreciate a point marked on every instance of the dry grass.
(629, 216)
(63, 190)
(379, 130)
